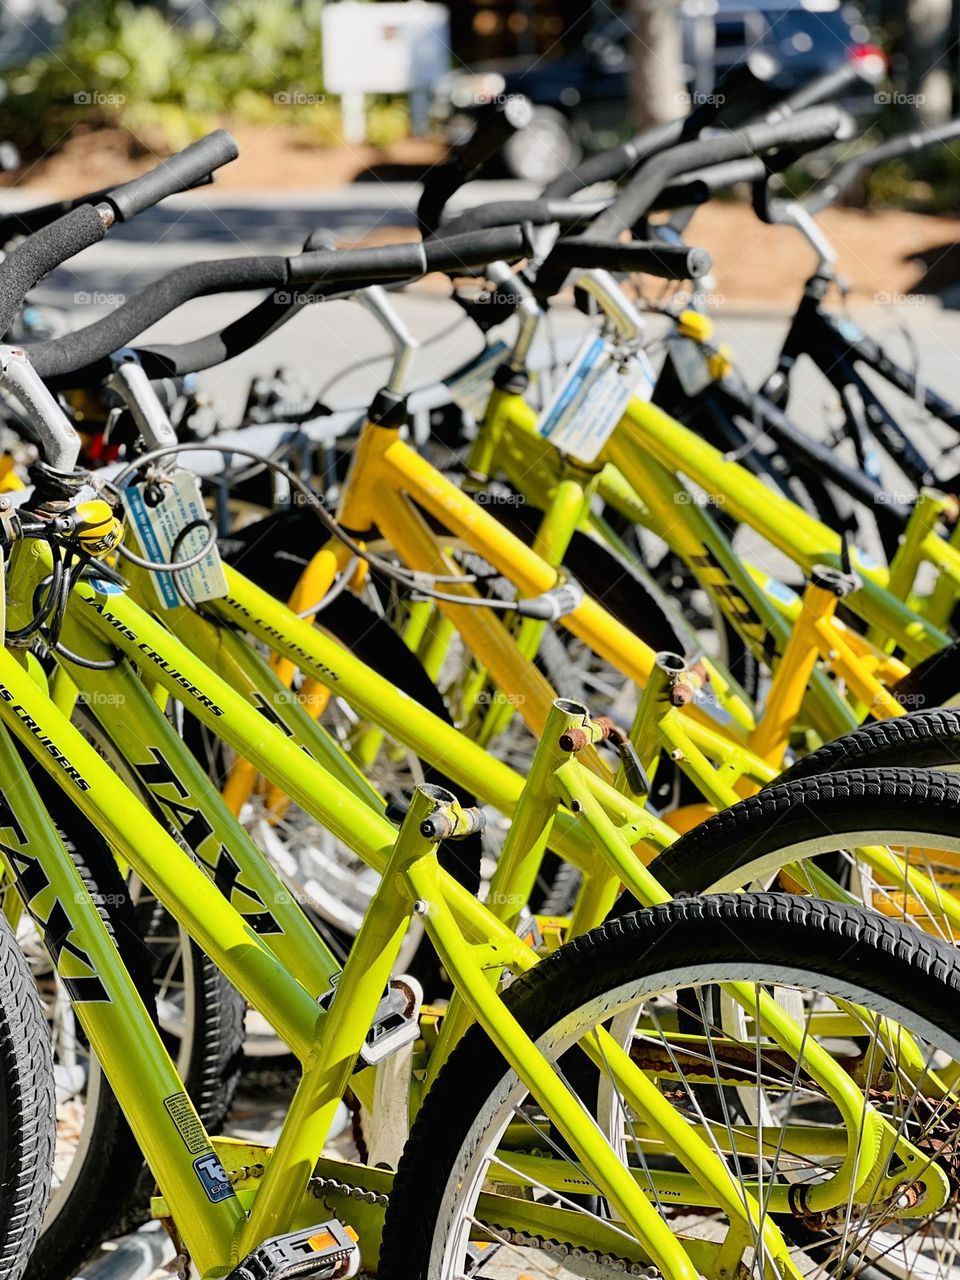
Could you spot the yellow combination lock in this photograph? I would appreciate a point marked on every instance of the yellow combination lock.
(699, 328)
(9, 480)
(695, 325)
(98, 529)
(721, 362)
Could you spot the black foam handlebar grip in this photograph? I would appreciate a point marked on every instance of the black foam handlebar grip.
(74, 350)
(539, 213)
(488, 137)
(46, 249)
(24, 222)
(856, 70)
(900, 145)
(387, 262)
(810, 129)
(669, 262)
(732, 100)
(336, 269)
(181, 172)
(610, 165)
(703, 184)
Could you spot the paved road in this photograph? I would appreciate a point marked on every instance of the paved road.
(323, 341)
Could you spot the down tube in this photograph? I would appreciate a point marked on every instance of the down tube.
(804, 539)
(271, 622)
(190, 804)
(103, 995)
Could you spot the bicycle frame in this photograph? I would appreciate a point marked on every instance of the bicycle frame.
(411, 883)
(837, 346)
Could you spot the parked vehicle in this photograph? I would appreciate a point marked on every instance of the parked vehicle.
(580, 98)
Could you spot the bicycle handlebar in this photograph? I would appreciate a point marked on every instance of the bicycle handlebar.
(86, 225)
(181, 172)
(803, 132)
(900, 145)
(652, 257)
(733, 97)
(866, 67)
(58, 360)
(489, 135)
(25, 222)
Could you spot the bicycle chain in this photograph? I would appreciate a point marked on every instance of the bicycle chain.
(318, 1186)
(557, 1249)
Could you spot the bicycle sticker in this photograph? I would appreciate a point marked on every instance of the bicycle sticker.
(158, 529)
(470, 386)
(587, 405)
(186, 1122)
(104, 587)
(690, 363)
(213, 1178)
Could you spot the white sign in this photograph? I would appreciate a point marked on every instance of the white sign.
(384, 48)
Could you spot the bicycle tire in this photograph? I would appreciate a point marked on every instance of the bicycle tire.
(763, 938)
(790, 821)
(98, 1187)
(934, 682)
(27, 1109)
(918, 740)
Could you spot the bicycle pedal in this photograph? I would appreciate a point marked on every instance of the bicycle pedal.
(325, 1252)
(396, 1022)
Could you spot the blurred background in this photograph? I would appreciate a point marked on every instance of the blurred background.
(342, 105)
(84, 76)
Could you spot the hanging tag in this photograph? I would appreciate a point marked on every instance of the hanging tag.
(471, 385)
(157, 529)
(584, 410)
(690, 362)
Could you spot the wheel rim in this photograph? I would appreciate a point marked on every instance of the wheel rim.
(861, 1240)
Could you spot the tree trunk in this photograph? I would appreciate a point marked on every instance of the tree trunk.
(930, 49)
(657, 89)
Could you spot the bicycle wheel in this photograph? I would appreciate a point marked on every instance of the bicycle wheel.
(27, 1109)
(918, 740)
(484, 1188)
(911, 813)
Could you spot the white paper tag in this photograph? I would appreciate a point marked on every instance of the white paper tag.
(158, 528)
(587, 405)
(471, 385)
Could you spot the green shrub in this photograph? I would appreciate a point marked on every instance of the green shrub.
(119, 63)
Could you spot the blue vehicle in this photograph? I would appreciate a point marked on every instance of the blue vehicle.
(581, 97)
